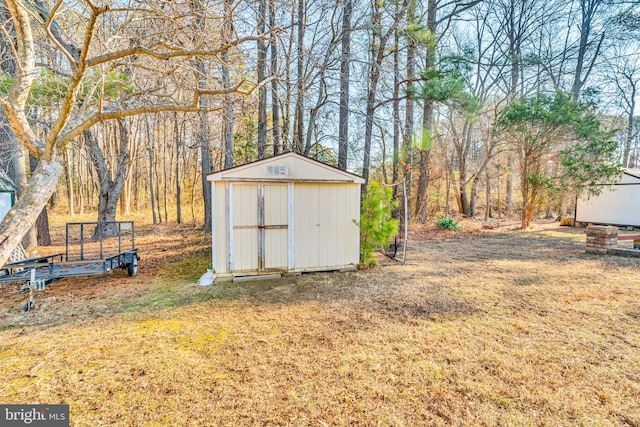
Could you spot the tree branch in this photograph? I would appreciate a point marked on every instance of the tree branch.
(141, 50)
(14, 105)
(53, 30)
(74, 85)
(458, 8)
(68, 137)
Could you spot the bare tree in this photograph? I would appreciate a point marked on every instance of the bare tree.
(275, 107)
(298, 134)
(111, 182)
(378, 46)
(77, 112)
(434, 20)
(587, 44)
(345, 68)
(262, 71)
(625, 74)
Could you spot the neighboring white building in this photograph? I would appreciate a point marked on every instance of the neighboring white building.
(7, 194)
(287, 213)
(618, 204)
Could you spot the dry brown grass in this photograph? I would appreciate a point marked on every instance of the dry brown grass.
(484, 327)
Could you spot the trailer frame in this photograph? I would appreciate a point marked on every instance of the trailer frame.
(45, 269)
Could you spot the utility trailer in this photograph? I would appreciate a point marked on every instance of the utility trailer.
(91, 248)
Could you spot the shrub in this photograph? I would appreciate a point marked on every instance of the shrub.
(448, 224)
(377, 227)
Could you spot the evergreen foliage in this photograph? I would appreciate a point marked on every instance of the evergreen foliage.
(543, 127)
(377, 227)
(448, 224)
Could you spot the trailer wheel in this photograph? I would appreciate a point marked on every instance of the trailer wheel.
(132, 267)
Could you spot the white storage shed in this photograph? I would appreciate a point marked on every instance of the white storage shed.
(618, 204)
(286, 213)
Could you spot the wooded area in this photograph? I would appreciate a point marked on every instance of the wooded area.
(491, 108)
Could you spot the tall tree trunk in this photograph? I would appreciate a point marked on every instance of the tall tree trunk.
(176, 130)
(165, 178)
(227, 112)
(205, 154)
(42, 227)
(626, 161)
(515, 54)
(588, 9)
(37, 193)
(137, 178)
(18, 173)
(488, 212)
(203, 138)
(69, 181)
(81, 182)
(131, 177)
(262, 71)
(514, 93)
(377, 56)
(345, 67)
(463, 145)
(370, 111)
(42, 222)
(313, 114)
(17, 168)
(110, 187)
(509, 185)
(396, 116)
(157, 190)
(465, 207)
(275, 111)
(298, 136)
(427, 123)
(473, 203)
(151, 180)
(407, 135)
(287, 127)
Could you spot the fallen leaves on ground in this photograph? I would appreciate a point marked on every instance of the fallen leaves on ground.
(498, 327)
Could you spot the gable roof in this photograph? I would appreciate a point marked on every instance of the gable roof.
(285, 167)
(633, 172)
(629, 176)
(6, 184)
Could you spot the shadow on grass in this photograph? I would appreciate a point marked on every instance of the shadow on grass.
(183, 294)
(383, 291)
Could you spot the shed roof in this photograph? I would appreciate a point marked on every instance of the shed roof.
(632, 172)
(285, 167)
(6, 184)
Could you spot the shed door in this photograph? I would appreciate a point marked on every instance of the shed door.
(260, 230)
(275, 226)
(245, 227)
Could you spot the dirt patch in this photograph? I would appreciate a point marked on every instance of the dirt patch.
(169, 254)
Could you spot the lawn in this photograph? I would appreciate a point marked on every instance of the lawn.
(483, 327)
